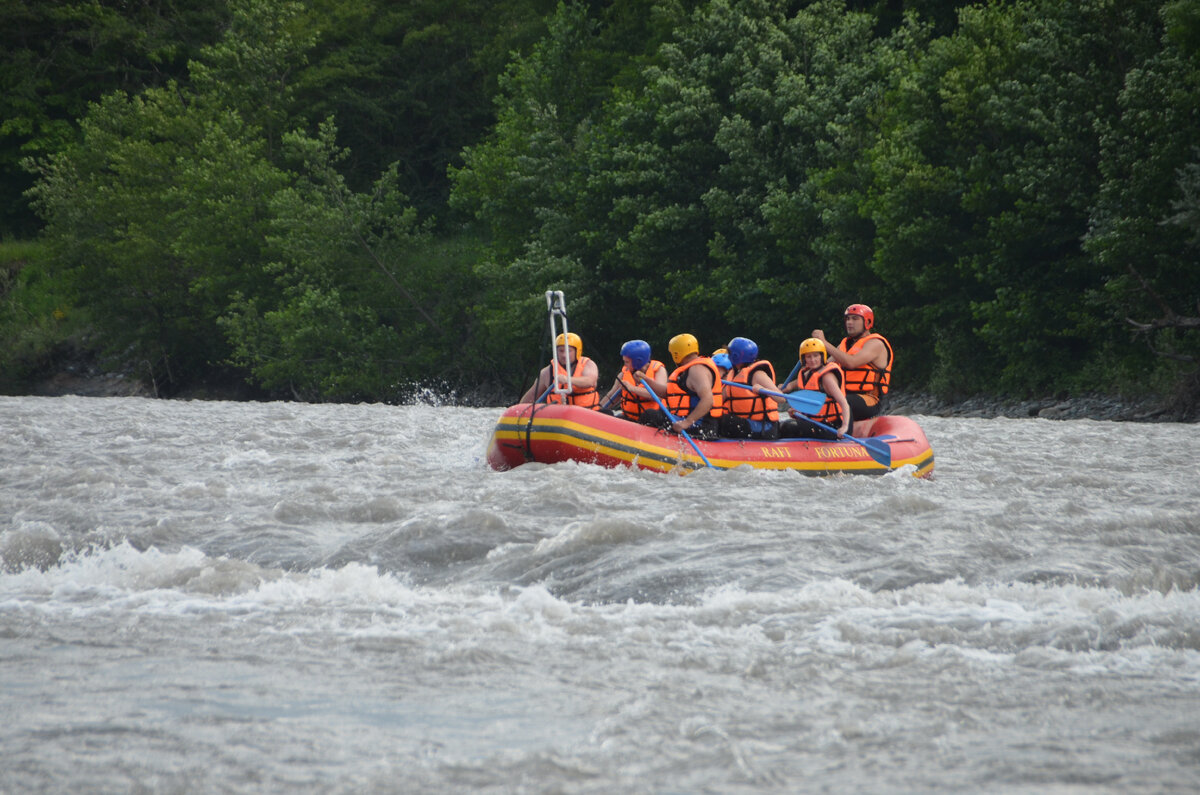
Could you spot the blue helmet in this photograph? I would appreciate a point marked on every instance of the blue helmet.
(722, 360)
(742, 351)
(638, 352)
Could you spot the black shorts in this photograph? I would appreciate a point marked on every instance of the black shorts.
(860, 409)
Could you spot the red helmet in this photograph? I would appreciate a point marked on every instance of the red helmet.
(863, 311)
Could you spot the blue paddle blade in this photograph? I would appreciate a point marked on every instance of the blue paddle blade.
(879, 451)
(806, 401)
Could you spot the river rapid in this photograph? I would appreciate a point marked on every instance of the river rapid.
(250, 597)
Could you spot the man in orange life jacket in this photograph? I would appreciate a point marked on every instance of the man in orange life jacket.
(866, 357)
(693, 393)
(635, 400)
(749, 415)
(818, 372)
(578, 373)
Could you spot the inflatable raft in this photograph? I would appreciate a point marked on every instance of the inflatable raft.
(551, 434)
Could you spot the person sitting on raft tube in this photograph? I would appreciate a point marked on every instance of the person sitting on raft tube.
(693, 392)
(866, 357)
(818, 372)
(748, 414)
(635, 399)
(570, 369)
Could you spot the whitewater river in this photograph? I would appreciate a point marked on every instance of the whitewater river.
(239, 597)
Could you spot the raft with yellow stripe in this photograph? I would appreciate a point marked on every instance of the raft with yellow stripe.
(554, 433)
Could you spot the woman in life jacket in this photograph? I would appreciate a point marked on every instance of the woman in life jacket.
(570, 371)
(748, 414)
(635, 399)
(818, 371)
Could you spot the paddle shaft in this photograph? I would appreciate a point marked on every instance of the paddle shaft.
(795, 370)
(682, 432)
(805, 401)
(879, 451)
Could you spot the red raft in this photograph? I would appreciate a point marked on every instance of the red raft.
(553, 433)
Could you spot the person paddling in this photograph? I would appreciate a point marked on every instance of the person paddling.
(570, 368)
(693, 392)
(818, 372)
(866, 357)
(748, 414)
(635, 398)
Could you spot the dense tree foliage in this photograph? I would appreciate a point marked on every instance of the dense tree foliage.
(55, 57)
(776, 161)
(343, 199)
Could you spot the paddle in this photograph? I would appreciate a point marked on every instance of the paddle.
(543, 396)
(806, 401)
(611, 398)
(875, 448)
(673, 418)
(792, 374)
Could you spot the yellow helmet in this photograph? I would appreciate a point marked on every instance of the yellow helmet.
(572, 340)
(814, 345)
(681, 345)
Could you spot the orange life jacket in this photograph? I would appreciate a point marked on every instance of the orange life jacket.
(586, 398)
(680, 399)
(831, 412)
(868, 378)
(742, 402)
(631, 405)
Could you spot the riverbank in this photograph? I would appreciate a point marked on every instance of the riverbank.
(1094, 407)
(81, 376)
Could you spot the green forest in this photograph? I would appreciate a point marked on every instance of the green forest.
(362, 200)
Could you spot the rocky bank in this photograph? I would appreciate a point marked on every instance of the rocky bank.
(80, 375)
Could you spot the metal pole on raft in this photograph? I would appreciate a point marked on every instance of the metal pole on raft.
(556, 305)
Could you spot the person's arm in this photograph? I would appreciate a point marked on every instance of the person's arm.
(616, 387)
(539, 386)
(761, 380)
(658, 383)
(829, 386)
(587, 379)
(637, 390)
(871, 352)
(699, 381)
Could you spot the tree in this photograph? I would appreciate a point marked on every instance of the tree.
(1145, 225)
(688, 195)
(157, 212)
(986, 170)
(333, 329)
(527, 182)
(153, 215)
(57, 57)
(412, 82)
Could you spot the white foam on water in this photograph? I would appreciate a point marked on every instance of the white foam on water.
(343, 597)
